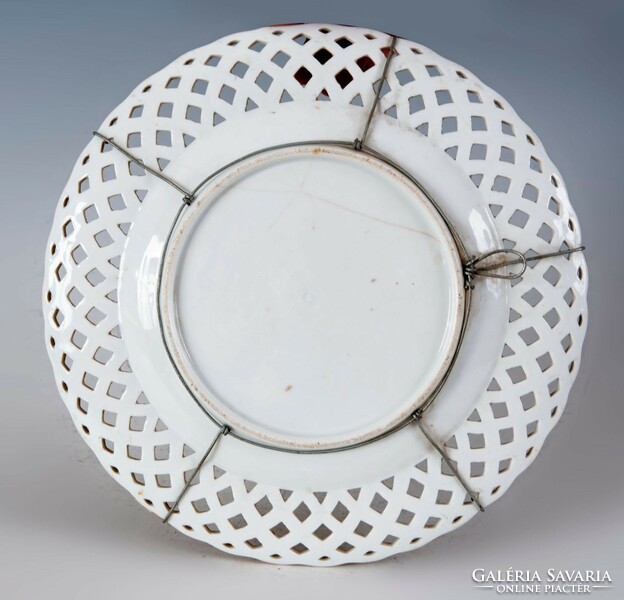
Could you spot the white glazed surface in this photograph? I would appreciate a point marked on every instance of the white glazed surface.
(313, 297)
(492, 161)
(139, 314)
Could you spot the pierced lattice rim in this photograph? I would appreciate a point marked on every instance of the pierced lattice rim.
(487, 142)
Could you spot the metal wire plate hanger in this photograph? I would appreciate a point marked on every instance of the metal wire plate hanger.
(491, 264)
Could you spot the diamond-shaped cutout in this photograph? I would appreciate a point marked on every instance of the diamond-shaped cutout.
(280, 59)
(238, 521)
(363, 529)
(340, 512)
(379, 503)
(239, 69)
(344, 78)
(344, 42)
(301, 39)
(227, 94)
(263, 506)
(322, 55)
(365, 63)
(303, 76)
(279, 530)
(264, 81)
(322, 532)
(404, 76)
(302, 512)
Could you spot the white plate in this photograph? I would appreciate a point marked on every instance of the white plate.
(466, 148)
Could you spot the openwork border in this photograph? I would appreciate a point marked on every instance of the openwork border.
(458, 114)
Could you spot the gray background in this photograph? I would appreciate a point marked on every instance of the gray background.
(67, 530)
